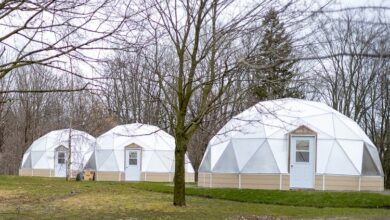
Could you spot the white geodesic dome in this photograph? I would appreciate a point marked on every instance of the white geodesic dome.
(257, 141)
(158, 148)
(40, 155)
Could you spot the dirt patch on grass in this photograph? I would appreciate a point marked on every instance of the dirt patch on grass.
(11, 198)
(255, 217)
(62, 197)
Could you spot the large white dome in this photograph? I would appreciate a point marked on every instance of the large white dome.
(257, 141)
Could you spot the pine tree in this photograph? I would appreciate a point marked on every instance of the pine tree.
(274, 79)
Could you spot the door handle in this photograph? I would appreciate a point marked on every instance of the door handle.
(291, 165)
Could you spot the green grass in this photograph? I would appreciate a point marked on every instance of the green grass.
(48, 198)
(277, 197)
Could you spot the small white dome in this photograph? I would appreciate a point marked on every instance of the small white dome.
(40, 155)
(148, 136)
(158, 148)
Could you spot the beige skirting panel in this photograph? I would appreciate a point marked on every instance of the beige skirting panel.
(145, 176)
(260, 181)
(108, 176)
(247, 181)
(190, 177)
(41, 172)
(157, 177)
(282, 182)
(372, 183)
(224, 180)
(25, 172)
(204, 179)
(164, 177)
(349, 183)
(36, 172)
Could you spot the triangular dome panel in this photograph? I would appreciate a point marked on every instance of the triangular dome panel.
(120, 159)
(375, 157)
(324, 148)
(342, 131)
(156, 165)
(354, 150)
(369, 167)
(167, 158)
(262, 161)
(27, 163)
(42, 144)
(38, 159)
(339, 163)
(107, 160)
(205, 166)
(282, 132)
(244, 149)
(227, 162)
(321, 124)
(275, 124)
(146, 157)
(279, 149)
(91, 164)
(216, 152)
(249, 129)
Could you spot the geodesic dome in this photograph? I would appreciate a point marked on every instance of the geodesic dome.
(40, 155)
(257, 141)
(158, 148)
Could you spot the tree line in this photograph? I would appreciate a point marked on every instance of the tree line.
(187, 67)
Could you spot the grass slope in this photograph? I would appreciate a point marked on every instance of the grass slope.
(277, 197)
(48, 198)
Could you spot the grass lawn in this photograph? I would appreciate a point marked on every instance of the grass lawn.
(277, 197)
(47, 198)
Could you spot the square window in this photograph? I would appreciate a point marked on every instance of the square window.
(302, 156)
(303, 145)
(61, 158)
(133, 160)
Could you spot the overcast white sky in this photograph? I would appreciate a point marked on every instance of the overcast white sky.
(337, 4)
(345, 3)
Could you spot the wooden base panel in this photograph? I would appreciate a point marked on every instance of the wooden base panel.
(282, 182)
(145, 176)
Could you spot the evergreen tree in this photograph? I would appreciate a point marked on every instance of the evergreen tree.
(274, 79)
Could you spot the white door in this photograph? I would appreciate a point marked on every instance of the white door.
(132, 164)
(60, 163)
(302, 162)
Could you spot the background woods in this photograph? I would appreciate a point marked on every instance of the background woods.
(187, 67)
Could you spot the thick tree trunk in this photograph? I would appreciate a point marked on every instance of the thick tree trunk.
(179, 179)
(196, 176)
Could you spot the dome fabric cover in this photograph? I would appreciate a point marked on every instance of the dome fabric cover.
(40, 155)
(158, 148)
(257, 141)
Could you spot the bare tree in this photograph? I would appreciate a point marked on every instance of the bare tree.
(29, 111)
(27, 116)
(351, 82)
(130, 92)
(204, 37)
(43, 32)
(350, 77)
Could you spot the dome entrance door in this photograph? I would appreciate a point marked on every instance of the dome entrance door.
(302, 162)
(132, 164)
(60, 160)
